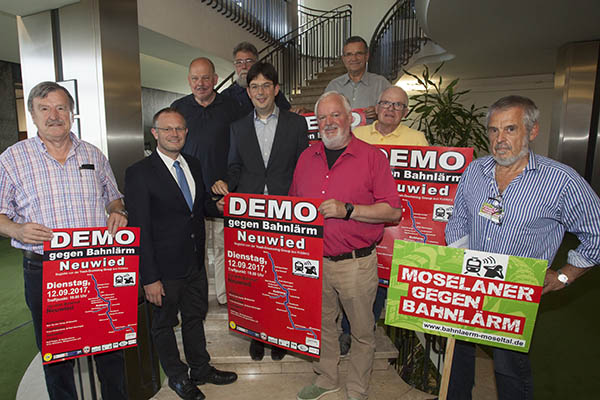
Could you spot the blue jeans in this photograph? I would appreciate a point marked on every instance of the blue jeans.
(60, 381)
(377, 307)
(512, 369)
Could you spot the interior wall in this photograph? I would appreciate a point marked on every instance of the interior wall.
(539, 88)
(9, 127)
(154, 100)
(365, 14)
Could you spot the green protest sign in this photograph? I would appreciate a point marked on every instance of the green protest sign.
(470, 295)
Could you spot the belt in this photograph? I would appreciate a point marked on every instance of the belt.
(365, 251)
(30, 255)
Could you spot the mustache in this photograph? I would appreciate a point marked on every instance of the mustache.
(55, 122)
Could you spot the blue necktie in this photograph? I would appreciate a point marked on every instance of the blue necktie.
(183, 185)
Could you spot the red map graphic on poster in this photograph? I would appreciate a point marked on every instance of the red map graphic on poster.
(358, 118)
(273, 262)
(90, 292)
(427, 179)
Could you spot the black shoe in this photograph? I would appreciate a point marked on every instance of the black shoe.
(257, 350)
(345, 342)
(216, 377)
(186, 389)
(277, 353)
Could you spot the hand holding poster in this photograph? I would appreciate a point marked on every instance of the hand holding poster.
(90, 292)
(273, 261)
(427, 179)
(470, 295)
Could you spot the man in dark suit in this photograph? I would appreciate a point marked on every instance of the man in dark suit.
(265, 146)
(165, 196)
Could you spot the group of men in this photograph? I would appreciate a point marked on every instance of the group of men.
(246, 140)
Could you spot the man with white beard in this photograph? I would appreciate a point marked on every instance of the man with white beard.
(519, 203)
(245, 56)
(359, 193)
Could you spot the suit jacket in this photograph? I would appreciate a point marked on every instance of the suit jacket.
(247, 173)
(172, 236)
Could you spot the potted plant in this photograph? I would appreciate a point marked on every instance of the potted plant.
(445, 121)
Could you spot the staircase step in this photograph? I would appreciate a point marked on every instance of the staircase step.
(307, 99)
(384, 385)
(311, 91)
(229, 351)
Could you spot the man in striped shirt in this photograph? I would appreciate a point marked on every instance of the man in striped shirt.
(533, 201)
(54, 180)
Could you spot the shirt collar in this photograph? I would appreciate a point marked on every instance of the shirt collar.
(363, 79)
(274, 114)
(374, 131)
(169, 161)
(350, 149)
(75, 141)
(489, 165)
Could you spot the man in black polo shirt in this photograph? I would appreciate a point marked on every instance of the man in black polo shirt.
(208, 115)
(245, 56)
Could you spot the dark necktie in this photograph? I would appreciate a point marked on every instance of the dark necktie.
(183, 185)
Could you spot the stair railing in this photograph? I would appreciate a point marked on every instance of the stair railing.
(267, 19)
(302, 53)
(396, 39)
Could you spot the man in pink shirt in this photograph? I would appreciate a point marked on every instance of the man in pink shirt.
(360, 196)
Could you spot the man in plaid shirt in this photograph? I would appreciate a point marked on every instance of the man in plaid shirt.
(55, 180)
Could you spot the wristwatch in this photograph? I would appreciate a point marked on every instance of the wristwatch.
(349, 209)
(123, 212)
(563, 278)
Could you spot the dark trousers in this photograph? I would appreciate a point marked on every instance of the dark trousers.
(188, 296)
(59, 376)
(377, 307)
(512, 370)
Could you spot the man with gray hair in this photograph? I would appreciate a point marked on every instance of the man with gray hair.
(245, 56)
(54, 181)
(519, 203)
(360, 87)
(360, 196)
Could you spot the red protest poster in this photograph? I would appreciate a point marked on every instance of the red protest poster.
(427, 179)
(273, 261)
(358, 118)
(90, 292)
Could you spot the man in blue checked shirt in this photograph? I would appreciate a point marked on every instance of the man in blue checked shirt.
(54, 180)
(518, 203)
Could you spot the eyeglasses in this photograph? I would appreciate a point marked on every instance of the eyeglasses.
(247, 61)
(396, 105)
(355, 54)
(265, 86)
(178, 129)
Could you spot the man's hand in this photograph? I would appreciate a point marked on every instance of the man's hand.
(551, 282)
(154, 292)
(332, 208)
(116, 216)
(299, 110)
(115, 221)
(220, 187)
(370, 112)
(221, 204)
(32, 233)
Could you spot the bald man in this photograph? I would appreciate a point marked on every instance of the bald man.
(391, 109)
(208, 116)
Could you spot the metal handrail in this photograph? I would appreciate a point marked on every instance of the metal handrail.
(307, 50)
(267, 19)
(396, 39)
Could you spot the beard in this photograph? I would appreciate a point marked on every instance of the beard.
(505, 162)
(241, 80)
(335, 142)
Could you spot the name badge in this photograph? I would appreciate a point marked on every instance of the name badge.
(492, 210)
